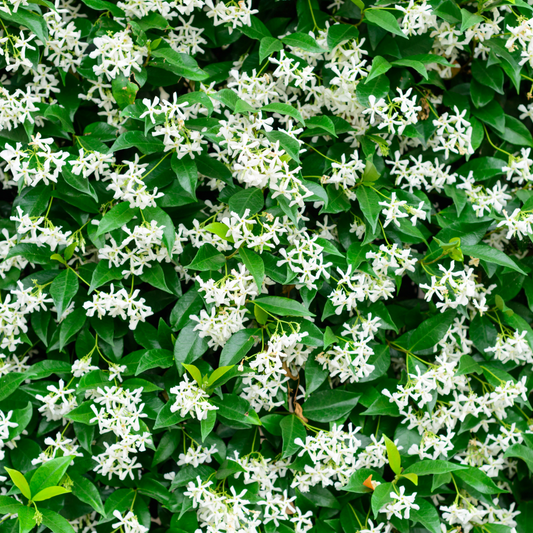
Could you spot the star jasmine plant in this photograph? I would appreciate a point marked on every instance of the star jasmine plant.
(265, 266)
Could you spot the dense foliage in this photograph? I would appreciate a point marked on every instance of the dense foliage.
(265, 266)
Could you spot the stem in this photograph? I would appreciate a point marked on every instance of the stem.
(492, 144)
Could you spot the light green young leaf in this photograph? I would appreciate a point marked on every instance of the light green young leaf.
(217, 374)
(49, 492)
(393, 455)
(195, 373)
(19, 481)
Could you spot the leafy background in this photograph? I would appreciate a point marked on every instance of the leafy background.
(478, 76)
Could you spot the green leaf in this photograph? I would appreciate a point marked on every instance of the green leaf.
(303, 41)
(29, 19)
(516, 132)
(46, 368)
(382, 406)
(381, 496)
(19, 481)
(491, 255)
(244, 108)
(217, 374)
(315, 374)
(369, 204)
(180, 64)
(251, 199)
(427, 515)
(62, 115)
(71, 325)
(518, 323)
(493, 115)
(63, 289)
(154, 490)
(379, 66)
(187, 173)
(370, 174)
(49, 474)
(124, 91)
(329, 405)
(137, 383)
(166, 418)
(478, 480)
(189, 346)
(355, 484)
(219, 229)
(360, 4)
(136, 139)
(439, 480)
(197, 97)
(268, 46)
(22, 417)
(469, 19)
(194, 372)
(384, 20)
(207, 258)
(207, 424)
(483, 167)
(340, 33)
(26, 519)
(151, 21)
(40, 255)
(9, 505)
(428, 59)
(212, 168)
(413, 478)
(256, 29)
(189, 304)
(234, 407)
(79, 183)
(155, 276)
(482, 333)
(278, 305)
(467, 365)
(521, 452)
(429, 333)
(321, 122)
(119, 500)
(430, 467)
(284, 109)
(103, 5)
(254, 264)
(168, 445)
(291, 429)
(162, 219)
(379, 87)
(510, 63)
(10, 383)
(116, 218)
(104, 273)
(260, 315)
(329, 337)
(238, 346)
(83, 414)
(228, 468)
(288, 143)
(393, 456)
(48, 493)
(157, 358)
(55, 522)
(417, 65)
(490, 76)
